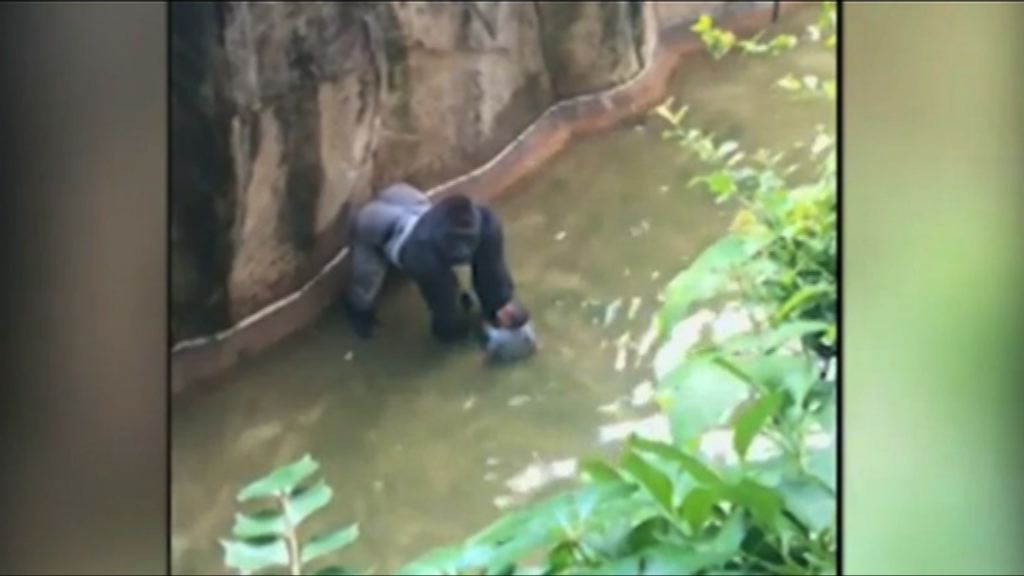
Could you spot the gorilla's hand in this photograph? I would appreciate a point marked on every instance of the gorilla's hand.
(363, 321)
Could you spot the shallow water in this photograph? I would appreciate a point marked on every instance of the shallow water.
(424, 445)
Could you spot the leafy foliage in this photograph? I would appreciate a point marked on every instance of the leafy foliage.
(269, 538)
(781, 251)
(807, 87)
(720, 42)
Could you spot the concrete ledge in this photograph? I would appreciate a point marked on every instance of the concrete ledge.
(199, 359)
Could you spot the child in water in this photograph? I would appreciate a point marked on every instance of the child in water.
(511, 337)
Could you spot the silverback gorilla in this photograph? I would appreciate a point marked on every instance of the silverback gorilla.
(425, 241)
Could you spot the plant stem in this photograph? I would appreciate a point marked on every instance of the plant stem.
(291, 536)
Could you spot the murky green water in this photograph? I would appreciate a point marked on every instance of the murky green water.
(424, 445)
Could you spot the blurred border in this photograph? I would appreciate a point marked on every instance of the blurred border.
(930, 205)
(84, 458)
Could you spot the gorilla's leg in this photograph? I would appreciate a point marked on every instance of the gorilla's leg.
(369, 265)
(369, 269)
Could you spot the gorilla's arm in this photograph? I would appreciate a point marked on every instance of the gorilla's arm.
(440, 289)
(492, 281)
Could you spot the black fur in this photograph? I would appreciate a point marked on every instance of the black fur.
(456, 232)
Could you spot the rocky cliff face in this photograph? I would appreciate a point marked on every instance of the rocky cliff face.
(286, 116)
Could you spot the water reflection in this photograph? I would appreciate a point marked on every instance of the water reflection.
(535, 478)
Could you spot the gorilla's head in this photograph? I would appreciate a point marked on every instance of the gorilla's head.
(460, 234)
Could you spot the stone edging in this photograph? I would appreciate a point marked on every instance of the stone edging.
(200, 358)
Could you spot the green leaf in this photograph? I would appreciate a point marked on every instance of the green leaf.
(752, 418)
(475, 556)
(794, 374)
(707, 275)
(764, 503)
(827, 417)
(616, 567)
(702, 556)
(733, 368)
(822, 463)
(541, 526)
(831, 42)
(800, 298)
(672, 559)
(727, 253)
(727, 40)
(438, 561)
(770, 340)
(770, 472)
(507, 570)
(260, 524)
(726, 544)
(702, 395)
(753, 47)
(249, 557)
(698, 470)
(830, 335)
(652, 480)
(784, 41)
(598, 472)
(282, 481)
(587, 504)
(304, 504)
(538, 537)
(329, 542)
(697, 507)
(563, 556)
(682, 294)
(705, 148)
(810, 502)
(507, 527)
(703, 24)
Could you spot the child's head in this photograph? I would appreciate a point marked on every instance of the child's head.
(511, 316)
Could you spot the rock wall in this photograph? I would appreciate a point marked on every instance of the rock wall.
(286, 116)
(682, 14)
(591, 46)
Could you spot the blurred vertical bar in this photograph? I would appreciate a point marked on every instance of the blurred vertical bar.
(931, 193)
(83, 444)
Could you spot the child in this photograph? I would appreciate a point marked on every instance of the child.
(511, 337)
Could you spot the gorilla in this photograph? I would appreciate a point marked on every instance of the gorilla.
(402, 228)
